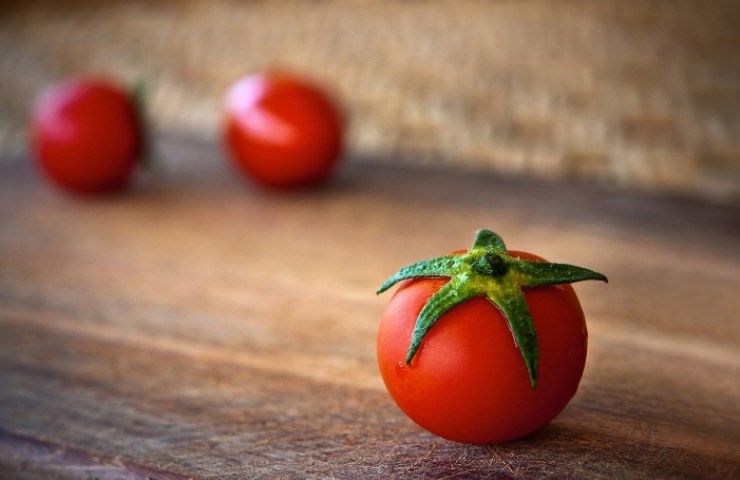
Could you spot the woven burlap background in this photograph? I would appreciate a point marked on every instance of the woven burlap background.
(640, 93)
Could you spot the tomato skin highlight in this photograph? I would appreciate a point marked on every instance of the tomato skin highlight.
(282, 131)
(86, 136)
(468, 382)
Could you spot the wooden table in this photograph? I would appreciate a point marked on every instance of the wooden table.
(198, 327)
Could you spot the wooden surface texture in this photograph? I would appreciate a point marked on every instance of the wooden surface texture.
(196, 327)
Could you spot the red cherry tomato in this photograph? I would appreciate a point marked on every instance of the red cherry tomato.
(282, 131)
(468, 382)
(86, 135)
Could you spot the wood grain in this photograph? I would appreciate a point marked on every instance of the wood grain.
(196, 327)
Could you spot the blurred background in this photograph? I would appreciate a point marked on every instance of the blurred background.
(640, 94)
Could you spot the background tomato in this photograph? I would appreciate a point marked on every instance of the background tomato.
(281, 130)
(468, 382)
(86, 135)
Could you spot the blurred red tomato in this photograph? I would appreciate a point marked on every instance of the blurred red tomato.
(86, 135)
(281, 130)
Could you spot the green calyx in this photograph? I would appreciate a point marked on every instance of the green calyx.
(488, 270)
(138, 95)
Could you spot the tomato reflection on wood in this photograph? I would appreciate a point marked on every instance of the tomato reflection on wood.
(87, 134)
(282, 131)
(508, 346)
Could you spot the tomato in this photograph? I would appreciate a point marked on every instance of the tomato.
(467, 381)
(86, 135)
(282, 131)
